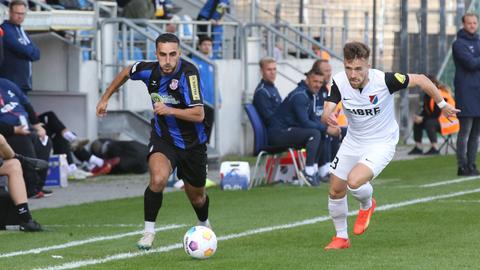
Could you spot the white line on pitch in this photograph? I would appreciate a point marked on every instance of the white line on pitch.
(93, 225)
(86, 241)
(453, 181)
(120, 256)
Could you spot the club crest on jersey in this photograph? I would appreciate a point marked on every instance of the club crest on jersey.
(174, 84)
(373, 99)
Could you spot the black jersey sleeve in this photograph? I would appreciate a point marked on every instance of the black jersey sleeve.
(396, 81)
(334, 94)
(141, 70)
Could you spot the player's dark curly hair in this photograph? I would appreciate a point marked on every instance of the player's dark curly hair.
(167, 38)
(355, 49)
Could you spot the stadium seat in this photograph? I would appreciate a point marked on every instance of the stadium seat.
(262, 150)
(447, 142)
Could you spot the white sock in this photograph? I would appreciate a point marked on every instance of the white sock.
(69, 136)
(315, 167)
(72, 167)
(310, 170)
(364, 195)
(96, 160)
(324, 170)
(205, 223)
(150, 226)
(338, 209)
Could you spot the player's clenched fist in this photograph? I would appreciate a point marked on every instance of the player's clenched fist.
(161, 109)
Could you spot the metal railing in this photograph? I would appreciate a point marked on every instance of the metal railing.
(224, 42)
(271, 36)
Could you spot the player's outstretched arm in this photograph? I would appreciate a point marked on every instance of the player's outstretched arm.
(430, 89)
(119, 80)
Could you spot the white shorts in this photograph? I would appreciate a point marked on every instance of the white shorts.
(376, 157)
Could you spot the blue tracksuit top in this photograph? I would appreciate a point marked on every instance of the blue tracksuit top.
(297, 110)
(12, 103)
(466, 55)
(207, 76)
(214, 9)
(19, 52)
(266, 100)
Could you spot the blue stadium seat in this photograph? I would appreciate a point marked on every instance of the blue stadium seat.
(262, 149)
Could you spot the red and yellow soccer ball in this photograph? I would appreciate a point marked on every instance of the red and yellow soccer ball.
(200, 242)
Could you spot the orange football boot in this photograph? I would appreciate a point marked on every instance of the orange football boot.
(363, 219)
(338, 243)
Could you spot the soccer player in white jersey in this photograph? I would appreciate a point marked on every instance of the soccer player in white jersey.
(367, 97)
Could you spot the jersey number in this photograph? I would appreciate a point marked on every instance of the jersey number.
(334, 163)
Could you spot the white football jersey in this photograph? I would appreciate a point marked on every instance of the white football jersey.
(370, 111)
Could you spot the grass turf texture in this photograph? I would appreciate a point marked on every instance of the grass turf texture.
(441, 234)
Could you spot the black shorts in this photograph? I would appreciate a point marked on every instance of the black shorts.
(191, 163)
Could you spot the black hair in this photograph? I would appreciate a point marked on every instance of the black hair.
(167, 38)
(204, 38)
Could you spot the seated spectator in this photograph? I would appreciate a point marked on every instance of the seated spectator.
(266, 98)
(64, 142)
(428, 120)
(122, 156)
(330, 144)
(24, 132)
(13, 204)
(295, 123)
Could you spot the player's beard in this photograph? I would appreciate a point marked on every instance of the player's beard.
(356, 83)
(167, 68)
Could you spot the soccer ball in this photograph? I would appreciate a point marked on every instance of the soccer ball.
(200, 242)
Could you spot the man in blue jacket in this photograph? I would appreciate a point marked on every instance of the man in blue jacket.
(466, 55)
(266, 98)
(295, 122)
(207, 77)
(19, 50)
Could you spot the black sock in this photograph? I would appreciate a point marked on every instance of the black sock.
(23, 212)
(152, 201)
(202, 212)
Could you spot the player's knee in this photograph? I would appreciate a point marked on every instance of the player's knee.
(158, 181)
(337, 193)
(13, 166)
(198, 201)
(3, 141)
(354, 182)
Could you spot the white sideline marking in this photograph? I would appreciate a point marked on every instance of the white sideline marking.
(453, 181)
(86, 241)
(120, 256)
(93, 225)
(460, 201)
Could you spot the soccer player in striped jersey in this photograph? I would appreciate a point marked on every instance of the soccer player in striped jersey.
(178, 131)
